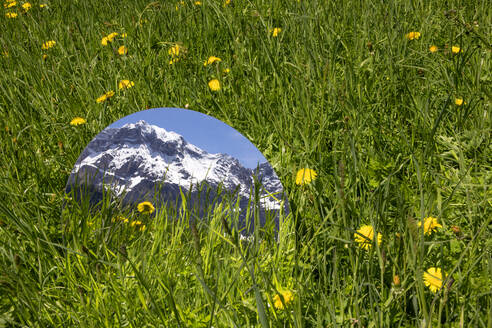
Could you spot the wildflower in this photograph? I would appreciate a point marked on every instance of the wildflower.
(180, 3)
(77, 121)
(214, 85)
(227, 70)
(10, 4)
(101, 99)
(26, 6)
(105, 96)
(11, 15)
(396, 280)
(122, 50)
(433, 279)
(365, 236)
(173, 61)
(120, 218)
(433, 48)
(124, 35)
(48, 44)
(276, 31)
(108, 38)
(413, 35)
(456, 49)
(45, 56)
(135, 223)
(430, 224)
(305, 176)
(125, 84)
(174, 50)
(287, 296)
(143, 227)
(211, 60)
(198, 3)
(458, 101)
(42, 5)
(146, 208)
(227, 2)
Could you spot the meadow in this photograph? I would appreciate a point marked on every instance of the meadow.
(387, 102)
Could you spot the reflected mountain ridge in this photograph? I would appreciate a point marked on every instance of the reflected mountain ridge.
(140, 162)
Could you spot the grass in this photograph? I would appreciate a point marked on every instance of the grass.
(339, 90)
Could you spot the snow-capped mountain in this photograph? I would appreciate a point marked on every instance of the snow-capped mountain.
(141, 162)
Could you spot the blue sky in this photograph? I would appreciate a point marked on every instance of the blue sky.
(203, 131)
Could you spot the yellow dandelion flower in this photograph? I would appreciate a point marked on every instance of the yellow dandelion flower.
(458, 101)
(109, 38)
(227, 70)
(42, 5)
(214, 85)
(105, 96)
(135, 223)
(119, 218)
(26, 6)
(101, 99)
(288, 298)
(10, 15)
(365, 236)
(198, 3)
(77, 121)
(275, 31)
(413, 35)
(174, 50)
(456, 49)
(306, 175)
(10, 4)
(45, 56)
(122, 50)
(227, 2)
(124, 35)
(433, 279)
(48, 44)
(433, 49)
(211, 60)
(179, 3)
(145, 208)
(173, 61)
(143, 227)
(125, 84)
(430, 224)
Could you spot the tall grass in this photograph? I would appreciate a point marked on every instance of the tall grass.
(340, 90)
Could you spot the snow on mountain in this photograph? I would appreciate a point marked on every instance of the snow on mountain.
(136, 158)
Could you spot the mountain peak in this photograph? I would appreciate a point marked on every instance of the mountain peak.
(135, 159)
